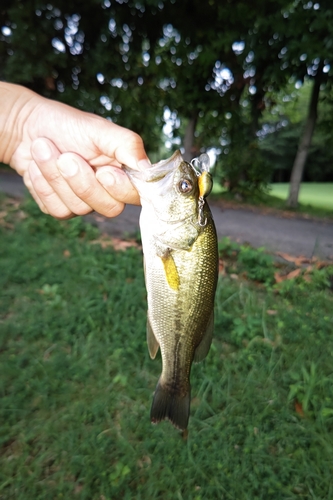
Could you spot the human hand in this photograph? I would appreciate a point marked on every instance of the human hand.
(71, 160)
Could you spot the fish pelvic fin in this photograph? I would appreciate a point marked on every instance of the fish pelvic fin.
(203, 348)
(152, 342)
(170, 406)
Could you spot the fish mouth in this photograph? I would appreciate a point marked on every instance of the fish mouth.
(160, 169)
(156, 182)
(158, 179)
(157, 171)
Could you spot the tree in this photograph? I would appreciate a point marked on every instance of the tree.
(104, 57)
(307, 55)
(305, 142)
(211, 66)
(89, 54)
(282, 127)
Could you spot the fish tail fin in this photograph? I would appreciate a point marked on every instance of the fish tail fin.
(171, 406)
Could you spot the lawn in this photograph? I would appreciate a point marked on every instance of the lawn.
(316, 199)
(311, 193)
(76, 380)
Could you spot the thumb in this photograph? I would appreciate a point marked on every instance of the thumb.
(133, 154)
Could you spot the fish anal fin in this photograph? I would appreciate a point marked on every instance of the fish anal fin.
(170, 406)
(204, 346)
(153, 345)
(171, 272)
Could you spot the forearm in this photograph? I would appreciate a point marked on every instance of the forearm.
(14, 106)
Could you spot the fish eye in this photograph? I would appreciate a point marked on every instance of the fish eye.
(185, 186)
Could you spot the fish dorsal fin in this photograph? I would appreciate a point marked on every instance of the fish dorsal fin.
(171, 271)
(153, 345)
(204, 346)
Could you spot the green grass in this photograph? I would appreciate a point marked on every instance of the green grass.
(316, 200)
(311, 193)
(76, 381)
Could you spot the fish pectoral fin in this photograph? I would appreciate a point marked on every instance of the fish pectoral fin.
(171, 272)
(203, 348)
(153, 345)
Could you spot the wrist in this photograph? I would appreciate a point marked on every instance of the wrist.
(14, 110)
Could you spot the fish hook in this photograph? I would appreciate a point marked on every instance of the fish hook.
(202, 221)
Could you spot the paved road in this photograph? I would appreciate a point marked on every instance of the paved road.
(294, 236)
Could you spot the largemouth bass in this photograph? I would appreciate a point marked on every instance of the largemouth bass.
(181, 268)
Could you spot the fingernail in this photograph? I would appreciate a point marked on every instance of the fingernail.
(42, 150)
(68, 168)
(144, 164)
(106, 178)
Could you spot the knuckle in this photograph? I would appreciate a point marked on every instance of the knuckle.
(136, 140)
(114, 209)
(52, 203)
(52, 176)
(84, 191)
(42, 188)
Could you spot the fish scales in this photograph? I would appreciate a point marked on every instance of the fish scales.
(181, 269)
(188, 308)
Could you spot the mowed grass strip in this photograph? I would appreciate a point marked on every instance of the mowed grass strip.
(311, 193)
(76, 380)
(316, 199)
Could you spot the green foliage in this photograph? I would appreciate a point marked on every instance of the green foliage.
(130, 61)
(37, 221)
(245, 171)
(257, 264)
(279, 146)
(279, 149)
(76, 382)
(320, 280)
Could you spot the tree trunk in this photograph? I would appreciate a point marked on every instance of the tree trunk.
(189, 138)
(305, 142)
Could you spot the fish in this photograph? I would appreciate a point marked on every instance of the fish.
(180, 253)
